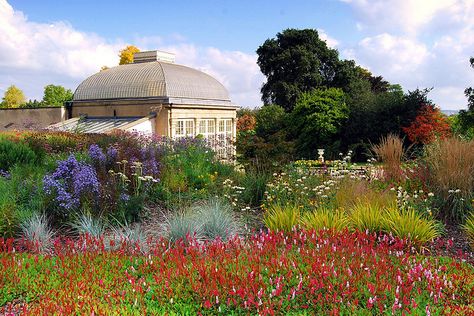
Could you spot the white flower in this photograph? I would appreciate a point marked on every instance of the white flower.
(431, 194)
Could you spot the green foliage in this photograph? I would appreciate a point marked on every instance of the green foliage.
(408, 224)
(8, 216)
(460, 128)
(56, 95)
(270, 119)
(281, 217)
(317, 119)
(269, 140)
(466, 117)
(13, 97)
(254, 183)
(367, 217)
(324, 218)
(468, 228)
(294, 62)
(12, 153)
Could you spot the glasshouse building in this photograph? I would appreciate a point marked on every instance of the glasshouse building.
(153, 95)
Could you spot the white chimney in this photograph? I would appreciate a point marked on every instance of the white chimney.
(153, 55)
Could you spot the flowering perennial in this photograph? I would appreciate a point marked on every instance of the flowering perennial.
(267, 274)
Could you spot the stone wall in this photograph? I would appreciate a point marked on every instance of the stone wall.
(34, 118)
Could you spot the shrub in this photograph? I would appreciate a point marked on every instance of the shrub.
(407, 224)
(367, 217)
(468, 228)
(281, 217)
(37, 232)
(429, 124)
(326, 219)
(391, 152)
(451, 175)
(216, 219)
(15, 153)
(254, 183)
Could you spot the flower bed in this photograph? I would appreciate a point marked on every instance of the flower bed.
(303, 272)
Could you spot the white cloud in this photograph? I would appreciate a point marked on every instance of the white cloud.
(410, 16)
(418, 43)
(391, 56)
(33, 55)
(332, 42)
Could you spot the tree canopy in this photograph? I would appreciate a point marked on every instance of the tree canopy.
(56, 95)
(298, 61)
(126, 54)
(294, 62)
(13, 97)
(317, 119)
(466, 117)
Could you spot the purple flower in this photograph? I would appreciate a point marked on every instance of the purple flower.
(71, 182)
(96, 154)
(5, 174)
(124, 197)
(112, 154)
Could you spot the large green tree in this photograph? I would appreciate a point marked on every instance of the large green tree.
(56, 95)
(294, 62)
(13, 97)
(466, 117)
(317, 119)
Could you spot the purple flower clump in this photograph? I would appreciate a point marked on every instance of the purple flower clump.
(70, 182)
(96, 154)
(112, 153)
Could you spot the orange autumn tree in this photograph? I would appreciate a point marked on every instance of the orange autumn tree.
(428, 125)
(246, 123)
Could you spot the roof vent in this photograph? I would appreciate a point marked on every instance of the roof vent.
(153, 55)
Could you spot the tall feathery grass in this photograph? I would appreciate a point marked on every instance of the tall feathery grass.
(451, 168)
(390, 152)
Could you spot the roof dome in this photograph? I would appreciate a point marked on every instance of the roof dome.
(154, 79)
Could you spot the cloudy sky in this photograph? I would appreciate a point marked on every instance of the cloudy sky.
(417, 43)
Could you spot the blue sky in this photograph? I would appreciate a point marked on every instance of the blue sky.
(230, 25)
(417, 43)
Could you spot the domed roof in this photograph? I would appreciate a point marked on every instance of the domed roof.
(151, 80)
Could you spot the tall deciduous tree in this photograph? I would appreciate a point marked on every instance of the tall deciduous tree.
(294, 62)
(126, 54)
(13, 97)
(56, 95)
(466, 117)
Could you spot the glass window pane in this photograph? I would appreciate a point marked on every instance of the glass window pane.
(202, 126)
(221, 126)
(211, 126)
